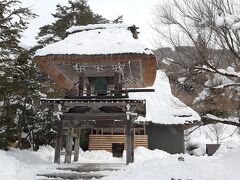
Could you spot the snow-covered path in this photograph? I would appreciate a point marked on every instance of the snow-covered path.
(83, 170)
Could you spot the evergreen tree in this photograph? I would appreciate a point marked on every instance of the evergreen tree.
(15, 70)
(75, 13)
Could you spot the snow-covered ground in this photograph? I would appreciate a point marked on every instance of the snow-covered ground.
(226, 135)
(219, 167)
(149, 165)
(23, 164)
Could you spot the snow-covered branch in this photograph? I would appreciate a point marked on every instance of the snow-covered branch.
(223, 72)
(209, 118)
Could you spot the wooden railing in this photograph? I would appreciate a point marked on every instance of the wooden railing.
(90, 94)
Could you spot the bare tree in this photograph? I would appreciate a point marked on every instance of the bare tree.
(217, 131)
(205, 36)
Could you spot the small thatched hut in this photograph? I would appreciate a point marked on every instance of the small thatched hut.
(166, 116)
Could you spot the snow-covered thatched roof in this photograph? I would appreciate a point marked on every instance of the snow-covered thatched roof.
(96, 39)
(162, 107)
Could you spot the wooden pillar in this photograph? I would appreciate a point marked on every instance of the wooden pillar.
(68, 147)
(81, 84)
(144, 126)
(58, 142)
(129, 138)
(117, 83)
(77, 144)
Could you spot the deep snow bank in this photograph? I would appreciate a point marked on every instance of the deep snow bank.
(220, 167)
(149, 165)
(23, 164)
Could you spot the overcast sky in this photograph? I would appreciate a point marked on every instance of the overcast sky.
(139, 12)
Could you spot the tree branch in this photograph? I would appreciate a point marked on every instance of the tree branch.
(207, 120)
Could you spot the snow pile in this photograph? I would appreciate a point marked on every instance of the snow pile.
(23, 164)
(196, 148)
(8, 166)
(97, 156)
(142, 153)
(46, 153)
(162, 107)
(197, 168)
(225, 147)
(110, 39)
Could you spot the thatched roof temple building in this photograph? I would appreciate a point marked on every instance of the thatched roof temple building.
(99, 51)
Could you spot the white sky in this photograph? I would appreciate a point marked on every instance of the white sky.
(138, 12)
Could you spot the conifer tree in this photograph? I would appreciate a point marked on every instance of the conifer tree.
(75, 13)
(15, 68)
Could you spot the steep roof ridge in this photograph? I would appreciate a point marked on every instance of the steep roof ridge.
(88, 27)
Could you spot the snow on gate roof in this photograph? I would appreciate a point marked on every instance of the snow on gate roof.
(96, 39)
(162, 107)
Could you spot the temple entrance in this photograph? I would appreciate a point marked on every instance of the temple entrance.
(117, 149)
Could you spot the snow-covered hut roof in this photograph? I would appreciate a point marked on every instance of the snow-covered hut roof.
(162, 107)
(96, 39)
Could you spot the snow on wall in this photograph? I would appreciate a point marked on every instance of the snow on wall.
(96, 39)
(162, 107)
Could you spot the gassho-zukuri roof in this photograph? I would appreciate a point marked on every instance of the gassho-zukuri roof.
(162, 107)
(95, 39)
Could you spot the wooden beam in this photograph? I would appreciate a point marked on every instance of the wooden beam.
(91, 102)
(58, 142)
(86, 124)
(68, 147)
(94, 116)
(140, 105)
(129, 136)
(81, 84)
(77, 144)
(130, 142)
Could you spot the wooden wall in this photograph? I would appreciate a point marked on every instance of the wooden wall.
(169, 138)
(104, 142)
